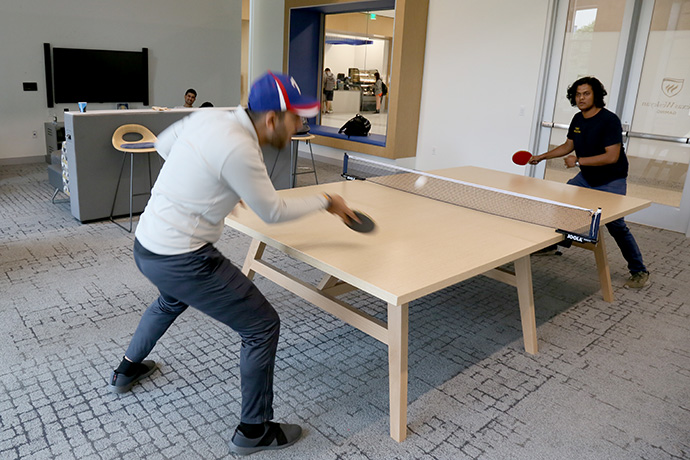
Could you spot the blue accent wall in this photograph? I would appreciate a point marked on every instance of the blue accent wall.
(304, 49)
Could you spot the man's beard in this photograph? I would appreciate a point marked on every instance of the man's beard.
(279, 141)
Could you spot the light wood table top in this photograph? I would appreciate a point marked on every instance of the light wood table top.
(420, 246)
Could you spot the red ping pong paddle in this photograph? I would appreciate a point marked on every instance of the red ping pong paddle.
(367, 224)
(521, 157)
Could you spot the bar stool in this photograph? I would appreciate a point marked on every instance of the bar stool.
(295, 153)
(145, 145)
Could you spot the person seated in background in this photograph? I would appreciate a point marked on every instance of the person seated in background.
(189, 98)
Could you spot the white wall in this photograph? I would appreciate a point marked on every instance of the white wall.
(481, 71)
(479, 92)
(191, 44)
(339, 58)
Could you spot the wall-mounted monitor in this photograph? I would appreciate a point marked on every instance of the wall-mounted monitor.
(87, 75)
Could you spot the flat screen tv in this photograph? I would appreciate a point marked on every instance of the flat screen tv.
(85, 75)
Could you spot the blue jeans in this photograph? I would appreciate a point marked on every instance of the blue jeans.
(618, 229)
(208, 281)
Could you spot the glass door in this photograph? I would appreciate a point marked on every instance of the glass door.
(640, 50)
(657, 110)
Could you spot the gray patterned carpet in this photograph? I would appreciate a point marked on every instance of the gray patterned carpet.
(611, 381)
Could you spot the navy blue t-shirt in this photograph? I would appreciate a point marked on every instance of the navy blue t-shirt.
(591, 136)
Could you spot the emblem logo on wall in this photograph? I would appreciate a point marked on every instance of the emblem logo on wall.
(672, 86)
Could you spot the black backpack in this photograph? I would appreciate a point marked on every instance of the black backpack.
(356, 126)
(384, 89)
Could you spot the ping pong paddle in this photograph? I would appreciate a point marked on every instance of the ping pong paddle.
(521, 157)
(366, 226)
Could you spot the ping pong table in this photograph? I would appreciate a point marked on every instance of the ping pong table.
(420, 246)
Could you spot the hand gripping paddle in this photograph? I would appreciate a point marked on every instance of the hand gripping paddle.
(366, 226)
(521, 157)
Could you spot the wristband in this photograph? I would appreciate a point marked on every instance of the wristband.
(577, 163)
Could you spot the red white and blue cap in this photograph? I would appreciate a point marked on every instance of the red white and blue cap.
(280, 93)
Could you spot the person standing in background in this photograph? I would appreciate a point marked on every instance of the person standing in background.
(328, 88)
(595, 135)
(378, 91)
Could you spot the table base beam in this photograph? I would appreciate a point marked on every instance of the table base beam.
(352, 316)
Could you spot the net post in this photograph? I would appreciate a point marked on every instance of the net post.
(346, 157)
(345, 174)
(594, 227)
(591, 237)
(572, 237)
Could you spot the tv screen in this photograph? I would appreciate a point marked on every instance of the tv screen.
(83, 75)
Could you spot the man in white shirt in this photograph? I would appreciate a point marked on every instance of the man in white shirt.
(214, 160)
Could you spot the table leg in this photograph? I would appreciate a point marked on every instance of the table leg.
(523, 274)
(603, 269)
(398, 325)
(327, 282)
(256, 251)
(602, 261)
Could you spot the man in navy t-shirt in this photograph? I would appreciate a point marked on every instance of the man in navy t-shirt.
(595, 134)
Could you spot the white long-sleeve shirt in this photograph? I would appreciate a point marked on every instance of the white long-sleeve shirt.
(213, 159)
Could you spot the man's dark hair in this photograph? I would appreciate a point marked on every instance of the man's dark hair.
(191, 90)
(254, 116)
(597, 89)
(206, 104)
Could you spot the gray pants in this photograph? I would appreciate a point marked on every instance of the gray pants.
(208, 281)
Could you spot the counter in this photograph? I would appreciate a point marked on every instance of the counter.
(346, 101)
(94, 164)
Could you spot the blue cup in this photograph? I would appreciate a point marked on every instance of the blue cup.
(82, 106)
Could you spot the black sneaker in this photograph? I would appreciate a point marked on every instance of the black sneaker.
(276, 436)
(121, 383)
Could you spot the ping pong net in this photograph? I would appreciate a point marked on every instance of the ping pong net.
(577, 224)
